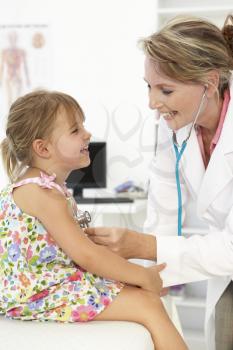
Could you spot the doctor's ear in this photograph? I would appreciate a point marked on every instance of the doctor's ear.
(213, 82)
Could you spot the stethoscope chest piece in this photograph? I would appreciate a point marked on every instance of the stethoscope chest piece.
(83, 218)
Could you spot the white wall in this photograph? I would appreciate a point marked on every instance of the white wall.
(95, 58)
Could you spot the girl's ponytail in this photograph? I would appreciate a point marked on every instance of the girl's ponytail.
(227, 32)
(9, 159)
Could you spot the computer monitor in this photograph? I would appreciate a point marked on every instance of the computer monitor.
(93, 176)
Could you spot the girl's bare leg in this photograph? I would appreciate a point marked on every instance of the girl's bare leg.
(137, 305)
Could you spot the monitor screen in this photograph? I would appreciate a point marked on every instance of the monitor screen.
(93, 176)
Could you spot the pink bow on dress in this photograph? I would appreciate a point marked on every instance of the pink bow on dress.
(46, 180)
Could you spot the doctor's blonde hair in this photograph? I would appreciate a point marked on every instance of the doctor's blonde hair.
(32, 117)
(187, 48)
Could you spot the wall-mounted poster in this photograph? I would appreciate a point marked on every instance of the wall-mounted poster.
(25, 62)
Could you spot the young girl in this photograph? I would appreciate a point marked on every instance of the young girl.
(49, 269)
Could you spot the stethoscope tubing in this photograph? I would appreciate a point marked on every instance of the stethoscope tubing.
(178, 185)
(179, 154)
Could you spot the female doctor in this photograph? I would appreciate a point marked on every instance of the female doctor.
(188, 71)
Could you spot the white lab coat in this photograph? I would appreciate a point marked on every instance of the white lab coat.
(198, 257)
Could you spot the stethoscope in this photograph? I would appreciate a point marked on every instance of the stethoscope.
(83, 218)
(179, 150)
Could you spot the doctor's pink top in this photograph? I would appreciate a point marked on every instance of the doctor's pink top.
(216, 137)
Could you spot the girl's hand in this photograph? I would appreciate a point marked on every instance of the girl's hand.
(154, 282)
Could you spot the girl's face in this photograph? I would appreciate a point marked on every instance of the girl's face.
(175, 101)
(70, 142)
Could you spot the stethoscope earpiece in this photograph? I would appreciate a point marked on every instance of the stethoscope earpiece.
(206, 87)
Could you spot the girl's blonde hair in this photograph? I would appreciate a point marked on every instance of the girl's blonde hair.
(32, 117)
(187, 48)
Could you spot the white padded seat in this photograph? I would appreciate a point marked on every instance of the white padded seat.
(98, 335)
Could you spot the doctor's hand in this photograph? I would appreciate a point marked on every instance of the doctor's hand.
(124, 242)
(118, 240)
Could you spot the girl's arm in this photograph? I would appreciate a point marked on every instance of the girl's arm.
(51, 208)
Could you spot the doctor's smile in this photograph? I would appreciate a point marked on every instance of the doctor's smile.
(168, 115)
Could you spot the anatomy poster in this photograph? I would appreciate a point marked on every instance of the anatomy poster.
(24, 62)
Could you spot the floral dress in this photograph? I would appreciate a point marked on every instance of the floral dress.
(38, 281)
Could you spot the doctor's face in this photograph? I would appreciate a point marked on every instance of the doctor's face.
(175, 101)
